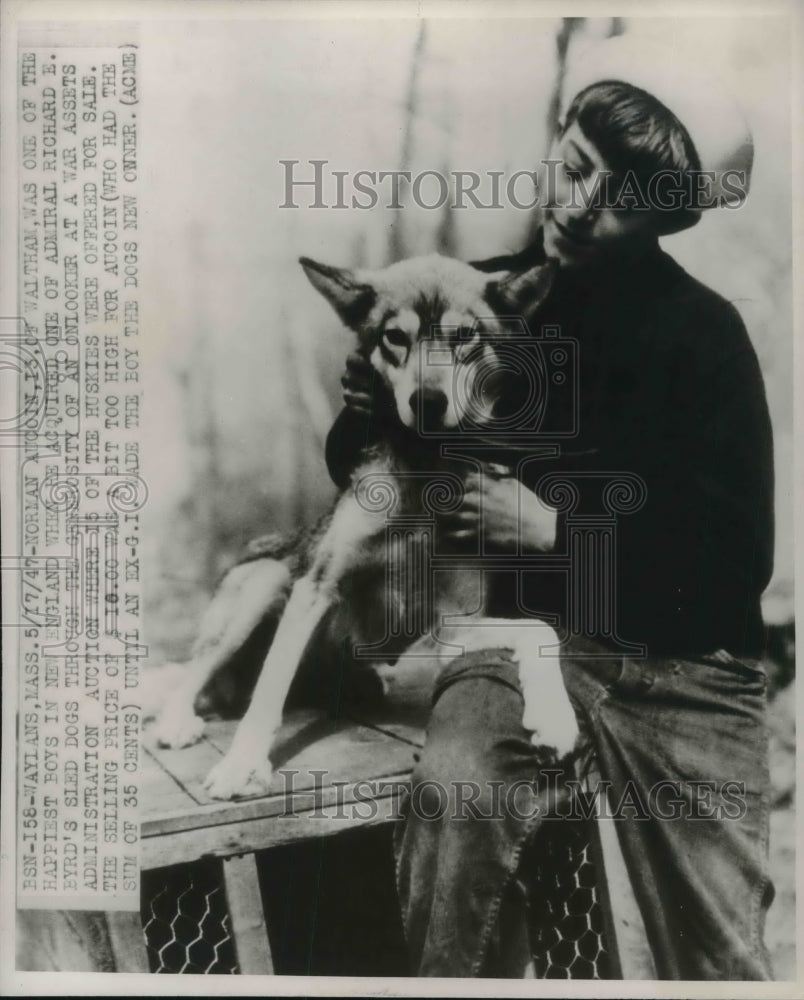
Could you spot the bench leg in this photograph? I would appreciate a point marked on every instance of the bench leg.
(625, 929)
(244, 900)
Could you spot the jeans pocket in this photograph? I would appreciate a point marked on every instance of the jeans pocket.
(749, 669)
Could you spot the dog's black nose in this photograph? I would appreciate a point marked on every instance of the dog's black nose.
(429, 405)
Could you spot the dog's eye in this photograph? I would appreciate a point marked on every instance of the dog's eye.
(469, 353)
(396, 338)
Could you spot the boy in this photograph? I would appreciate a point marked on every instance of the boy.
(670, 392)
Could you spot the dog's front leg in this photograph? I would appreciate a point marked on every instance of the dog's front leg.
(246, 595)
(246, 770)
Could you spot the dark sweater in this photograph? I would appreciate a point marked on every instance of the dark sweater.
(670, 390)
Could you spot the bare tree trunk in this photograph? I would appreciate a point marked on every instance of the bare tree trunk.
(570, 28)
(446, 234)
(397, 245)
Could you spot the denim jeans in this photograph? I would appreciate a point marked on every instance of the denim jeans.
(700, 879)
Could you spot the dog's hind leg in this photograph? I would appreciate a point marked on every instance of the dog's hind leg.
(247, 594)
(547, 712)
(245, 769)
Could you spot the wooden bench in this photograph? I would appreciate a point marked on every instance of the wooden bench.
(322, 766)
(330, 775)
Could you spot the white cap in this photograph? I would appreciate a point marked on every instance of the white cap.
(700, 101)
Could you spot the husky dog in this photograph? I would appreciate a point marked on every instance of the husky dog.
(429, 327)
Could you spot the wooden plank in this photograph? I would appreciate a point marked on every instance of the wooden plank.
(309, 741)
(299, 799)
(298, 802)
(128, 941)
(188, 766)
(296, 742)
(407, 732)
(337, 810)
(349, 754)
(625, 928)
(295, 726)
(244, 900)
(300, 744)
(405, 710)
(159, 791)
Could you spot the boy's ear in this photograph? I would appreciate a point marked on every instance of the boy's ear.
(351, 299)
(521, 292)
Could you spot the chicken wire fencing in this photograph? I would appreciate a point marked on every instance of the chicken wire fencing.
(186, 919)
(188, 930)
(565, 908)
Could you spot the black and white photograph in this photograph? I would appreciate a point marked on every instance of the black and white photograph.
(399, 498)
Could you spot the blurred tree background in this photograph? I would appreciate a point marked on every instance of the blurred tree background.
(243, 358)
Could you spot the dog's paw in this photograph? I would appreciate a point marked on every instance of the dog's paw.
(369, 685)
(177, 727)
(238, 776)
(548, 713)
(158, 686)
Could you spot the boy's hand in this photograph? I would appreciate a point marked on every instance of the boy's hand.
(358, 385)
(511, 514)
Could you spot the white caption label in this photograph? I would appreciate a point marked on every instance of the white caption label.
(81, 495)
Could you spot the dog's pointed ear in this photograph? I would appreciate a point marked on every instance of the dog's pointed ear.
(351, 299)
(521, 291)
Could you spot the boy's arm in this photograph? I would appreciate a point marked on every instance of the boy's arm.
(707, 527)
(734, 474)
(347, 440)
(360, 424)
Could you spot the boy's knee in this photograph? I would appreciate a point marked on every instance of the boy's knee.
(450, 756)
(454, 782)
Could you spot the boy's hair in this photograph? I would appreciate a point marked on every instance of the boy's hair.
(635, 132)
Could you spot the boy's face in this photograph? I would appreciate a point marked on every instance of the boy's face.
(580, 229)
